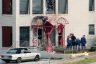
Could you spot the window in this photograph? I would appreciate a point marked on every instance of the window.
(62, 6)
(91, 29)
(24, 36)
(6, 36)
(37, 6)
(91, 5)
(24, 7)
(6, 6)
(50, 6)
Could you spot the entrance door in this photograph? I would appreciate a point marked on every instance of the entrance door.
(40, 35)
(24, 36)
(6, 36)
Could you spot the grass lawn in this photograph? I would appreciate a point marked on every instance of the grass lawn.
(85, 61)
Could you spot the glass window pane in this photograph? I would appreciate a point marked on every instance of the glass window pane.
(24, 6)
(6, 6)
(50, 6)
(91, 5)
(37, 6)
(62, 6)
(91, 29)
(24, 36)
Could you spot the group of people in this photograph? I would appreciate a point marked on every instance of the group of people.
(74, 43)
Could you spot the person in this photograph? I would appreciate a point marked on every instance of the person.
(78, 41)
(73, 41)
(83, 42)
(69, 42)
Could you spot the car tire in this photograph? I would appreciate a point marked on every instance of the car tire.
(37, 58)
(19, 60)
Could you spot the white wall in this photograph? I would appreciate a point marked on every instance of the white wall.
(78, 17)
(8, 20)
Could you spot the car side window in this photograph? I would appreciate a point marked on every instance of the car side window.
(26, 51)
(22, 51)
(18, 51)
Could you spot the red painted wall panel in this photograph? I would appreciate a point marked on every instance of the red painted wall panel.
(6, 36)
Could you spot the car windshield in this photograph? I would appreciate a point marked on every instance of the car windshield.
(12, 51)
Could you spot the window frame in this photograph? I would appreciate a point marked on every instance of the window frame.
(66, 8)
(4, 9)
(9, 33)
(42, 7)
(28, 8)
(24, 28)
(92, 28)
(54, 8)
(91, 5)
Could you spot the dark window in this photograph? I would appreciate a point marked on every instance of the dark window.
(91, 29)
(62, 6)
(6, 6)
(91, 5)
(6, 36)
(37, 6)
(40, 33)
(24, 36)
(50, 6)
(24, 6)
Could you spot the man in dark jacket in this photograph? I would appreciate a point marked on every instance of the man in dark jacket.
(78, 41)
(73, 38)
(83, 42)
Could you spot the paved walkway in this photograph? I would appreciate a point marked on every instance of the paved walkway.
(93, 63)
(68, 60)
(76, 59)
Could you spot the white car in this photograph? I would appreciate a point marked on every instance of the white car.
(19, 55)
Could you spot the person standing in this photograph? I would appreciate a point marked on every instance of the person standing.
(78, 41)
(69, 42)
(83, 42)
(73, 41)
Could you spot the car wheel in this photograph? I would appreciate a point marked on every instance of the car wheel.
(19, 60)
(37, 58)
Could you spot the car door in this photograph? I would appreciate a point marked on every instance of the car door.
(28, 55)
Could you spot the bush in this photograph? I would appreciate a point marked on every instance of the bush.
(63, 50)
(93, 47)
(59, 49)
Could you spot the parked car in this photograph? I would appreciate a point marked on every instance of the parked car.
(19, 55)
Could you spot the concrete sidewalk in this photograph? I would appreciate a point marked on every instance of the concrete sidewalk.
(74, 58)
(93, 63)
(68, 60)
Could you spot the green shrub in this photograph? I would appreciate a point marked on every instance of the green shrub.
(59, 49)
(63, 50)
(93, 47)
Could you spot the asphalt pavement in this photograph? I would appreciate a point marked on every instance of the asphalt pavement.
(42, 61)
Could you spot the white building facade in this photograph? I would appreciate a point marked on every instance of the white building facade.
(17, 18)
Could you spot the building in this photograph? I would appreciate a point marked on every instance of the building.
(20, 21)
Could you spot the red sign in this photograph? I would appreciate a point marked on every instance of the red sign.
(49, 49)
